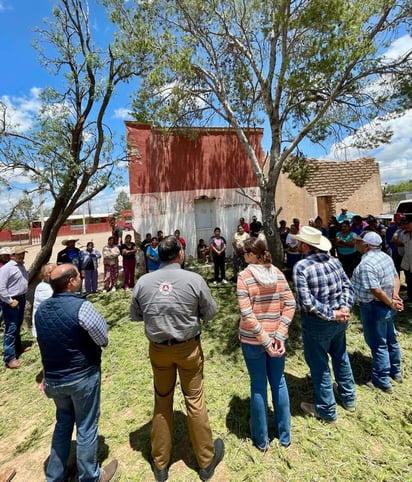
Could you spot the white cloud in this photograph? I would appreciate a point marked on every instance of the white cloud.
(121, 113)
(21, 111)
(399, 47)
(395, 158)
(104, 202)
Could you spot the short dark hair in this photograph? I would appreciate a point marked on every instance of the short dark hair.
(169, 248)
(59, 284)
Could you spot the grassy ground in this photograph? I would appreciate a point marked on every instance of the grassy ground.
(373, 444)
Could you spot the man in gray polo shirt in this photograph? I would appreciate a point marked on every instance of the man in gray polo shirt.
(172, 301)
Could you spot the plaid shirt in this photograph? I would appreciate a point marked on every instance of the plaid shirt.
(321, 286)
(376, 270)
(94, 323)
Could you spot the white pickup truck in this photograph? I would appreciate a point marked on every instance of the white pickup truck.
(404, 207)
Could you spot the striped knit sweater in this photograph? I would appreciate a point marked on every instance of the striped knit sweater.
(266, 309)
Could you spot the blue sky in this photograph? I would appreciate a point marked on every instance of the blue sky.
(23, 77)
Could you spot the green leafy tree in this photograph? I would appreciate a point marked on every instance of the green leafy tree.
(122, 203)
(24, 213)
(68, 154)
(308, 69)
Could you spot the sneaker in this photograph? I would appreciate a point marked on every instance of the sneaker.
(113, 289)
(161, 475)
(224, 281)
(107, 473)
(215, 282)
(207, 472)
(13, 364)
(384, 388)
(349, 408)
(104, 291)
(309, 409)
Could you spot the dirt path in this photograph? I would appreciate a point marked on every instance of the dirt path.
(99, 240)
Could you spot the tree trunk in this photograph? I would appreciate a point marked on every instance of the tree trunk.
(270, 227)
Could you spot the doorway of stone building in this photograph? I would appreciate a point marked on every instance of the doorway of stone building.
(324, 205)
(205, 218)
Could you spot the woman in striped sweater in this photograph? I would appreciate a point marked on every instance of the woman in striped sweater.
(267, 307)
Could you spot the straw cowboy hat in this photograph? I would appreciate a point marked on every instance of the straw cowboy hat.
(65, 241)
(19, 250)
(313, 237)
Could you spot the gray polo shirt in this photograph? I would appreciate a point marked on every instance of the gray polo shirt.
(13, 281)
(172, 301)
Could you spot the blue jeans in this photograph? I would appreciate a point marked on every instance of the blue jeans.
(13, 319)
(320, 339)
(77, 402)
(380, 335)
(90, 281)
(262, 368)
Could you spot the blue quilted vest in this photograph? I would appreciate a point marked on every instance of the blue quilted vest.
(67, 350)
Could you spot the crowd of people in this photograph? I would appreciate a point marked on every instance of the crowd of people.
(173, 303)
(342, 231)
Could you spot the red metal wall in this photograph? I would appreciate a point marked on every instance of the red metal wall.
(196, 159)
(75, 230)
(5, 235)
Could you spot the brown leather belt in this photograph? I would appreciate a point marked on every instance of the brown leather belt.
(173, 341)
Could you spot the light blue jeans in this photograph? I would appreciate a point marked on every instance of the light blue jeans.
(380, 335)
(77, 402)
(320, 339)
(263, 369)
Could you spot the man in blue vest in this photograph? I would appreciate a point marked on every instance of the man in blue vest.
(70, 333)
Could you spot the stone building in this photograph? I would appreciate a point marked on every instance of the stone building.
(329, 186)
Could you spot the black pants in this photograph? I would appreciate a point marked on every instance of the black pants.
(219, 265)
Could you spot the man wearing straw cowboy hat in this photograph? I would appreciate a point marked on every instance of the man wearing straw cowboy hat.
(70, 254)
(325, 297)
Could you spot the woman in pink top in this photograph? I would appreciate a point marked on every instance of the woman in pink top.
(267, 307)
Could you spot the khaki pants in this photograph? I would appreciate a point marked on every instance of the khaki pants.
(187, 359)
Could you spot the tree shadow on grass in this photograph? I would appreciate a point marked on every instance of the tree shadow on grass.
(361, 366)
(237, 419)
(71, 474)
(139, 441)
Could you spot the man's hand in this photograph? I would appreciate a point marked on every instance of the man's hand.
(397, 303)
(14, 304)
(342, 315)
